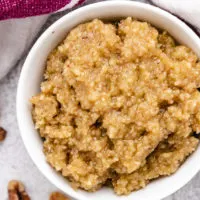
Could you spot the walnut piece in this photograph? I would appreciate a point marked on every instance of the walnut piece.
(16, 191)
(2, 134)
(58, 196)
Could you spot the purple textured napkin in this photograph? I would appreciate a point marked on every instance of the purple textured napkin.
(25, 8)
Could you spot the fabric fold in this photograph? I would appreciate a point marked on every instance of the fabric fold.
(188, 10)
(16, 36)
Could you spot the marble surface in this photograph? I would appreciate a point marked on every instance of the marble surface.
(15, 162)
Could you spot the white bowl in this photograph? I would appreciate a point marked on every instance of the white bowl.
(32, 75)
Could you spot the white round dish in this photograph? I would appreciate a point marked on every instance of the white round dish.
(32, 75)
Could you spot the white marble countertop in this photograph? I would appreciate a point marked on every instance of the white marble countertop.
(15, 162)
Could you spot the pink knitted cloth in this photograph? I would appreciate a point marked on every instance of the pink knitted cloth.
(25, 8)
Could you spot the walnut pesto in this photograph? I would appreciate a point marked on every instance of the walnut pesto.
(119, 104)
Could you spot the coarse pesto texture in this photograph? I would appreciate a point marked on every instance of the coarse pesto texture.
(118, 104)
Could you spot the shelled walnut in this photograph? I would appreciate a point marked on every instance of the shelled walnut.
(16, 191)
(2, 134)
(58, 196)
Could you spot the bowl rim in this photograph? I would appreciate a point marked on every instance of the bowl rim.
(19, 105)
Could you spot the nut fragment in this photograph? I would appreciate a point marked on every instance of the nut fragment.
(16, 191)
(2, 134)
(57, 196)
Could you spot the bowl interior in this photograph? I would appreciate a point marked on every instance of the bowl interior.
(32, 75)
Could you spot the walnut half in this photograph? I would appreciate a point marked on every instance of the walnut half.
(2, 134)
(16, 191)
(57, 196)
